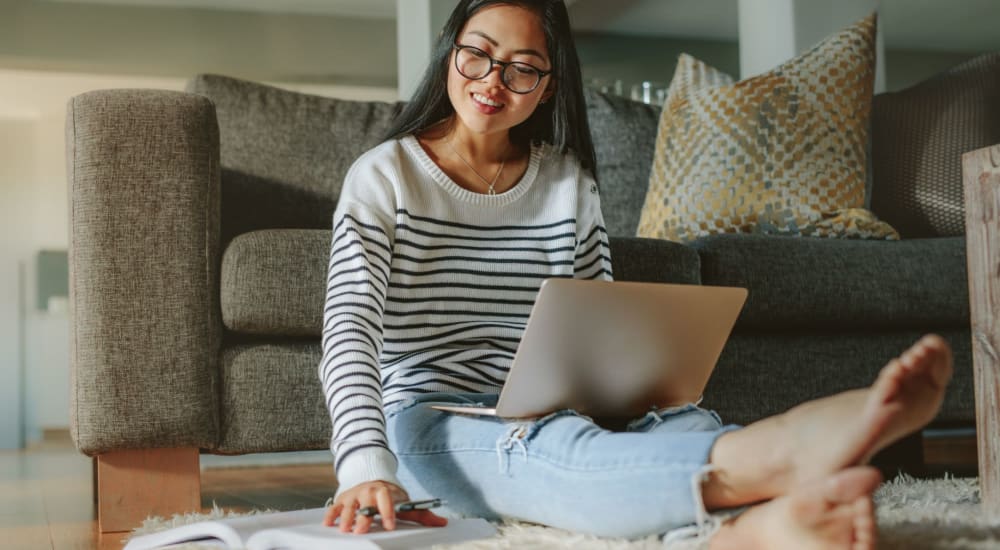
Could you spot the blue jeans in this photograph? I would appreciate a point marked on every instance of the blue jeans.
(561, 470)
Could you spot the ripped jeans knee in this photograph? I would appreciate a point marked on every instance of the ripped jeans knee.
(684, 418)
(518, 433)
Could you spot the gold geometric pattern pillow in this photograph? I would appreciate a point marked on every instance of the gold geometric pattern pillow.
(782, 152)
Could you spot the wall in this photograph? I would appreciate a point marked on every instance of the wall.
(415, 40)
(633, 59)
(16, 131)
(158, 41)
(907, 67)
(34, 216)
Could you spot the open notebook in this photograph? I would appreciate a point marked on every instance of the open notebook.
(304, 530)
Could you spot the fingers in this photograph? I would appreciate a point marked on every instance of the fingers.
(379, 495)
(386, 508)
(331, 514)
(362, 524)
(347, 514)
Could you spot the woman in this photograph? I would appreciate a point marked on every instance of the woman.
(442, 236)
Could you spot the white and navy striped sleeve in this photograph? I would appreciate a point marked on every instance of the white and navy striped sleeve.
(357, 283)
(593, 255)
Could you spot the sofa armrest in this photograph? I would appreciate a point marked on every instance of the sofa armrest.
(143, 169)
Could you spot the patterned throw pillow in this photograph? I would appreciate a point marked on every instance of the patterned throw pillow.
(782, 152)
(918, 137)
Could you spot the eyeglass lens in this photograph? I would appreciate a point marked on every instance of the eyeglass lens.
(519, 77)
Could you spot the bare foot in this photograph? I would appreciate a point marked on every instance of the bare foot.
(828, 514)
(820, 437)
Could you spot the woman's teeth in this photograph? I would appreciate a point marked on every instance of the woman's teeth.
(486, 101)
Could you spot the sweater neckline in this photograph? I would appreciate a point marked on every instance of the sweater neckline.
(437, 174)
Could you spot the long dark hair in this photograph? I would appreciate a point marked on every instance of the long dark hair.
(561, 121)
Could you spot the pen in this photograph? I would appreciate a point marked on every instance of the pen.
(404, 506)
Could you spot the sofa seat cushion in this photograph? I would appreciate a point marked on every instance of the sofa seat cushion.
(271, 398)
(798, 283)
(273, 281)
(272, 401)
(760, 374)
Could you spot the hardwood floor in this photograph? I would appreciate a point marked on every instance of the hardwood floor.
(46, 495)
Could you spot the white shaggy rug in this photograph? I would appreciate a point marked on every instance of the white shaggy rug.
(912, 515)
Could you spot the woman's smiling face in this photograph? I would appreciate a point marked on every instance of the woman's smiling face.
(505, 33)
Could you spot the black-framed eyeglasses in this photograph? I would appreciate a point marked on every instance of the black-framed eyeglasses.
(520, 78)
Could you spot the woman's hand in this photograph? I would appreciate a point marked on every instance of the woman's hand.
(382, 495)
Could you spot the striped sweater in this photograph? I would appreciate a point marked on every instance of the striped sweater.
(430, 285)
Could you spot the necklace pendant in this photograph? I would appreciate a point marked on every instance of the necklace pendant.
(490, 190)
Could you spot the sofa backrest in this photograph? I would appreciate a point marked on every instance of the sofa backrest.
(284, 154)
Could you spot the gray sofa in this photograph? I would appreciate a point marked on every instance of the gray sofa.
(200, 237)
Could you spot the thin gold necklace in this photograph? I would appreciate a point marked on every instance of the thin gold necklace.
(490, 184)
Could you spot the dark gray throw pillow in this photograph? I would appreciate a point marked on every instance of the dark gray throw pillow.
(918, 137)
(624, 133)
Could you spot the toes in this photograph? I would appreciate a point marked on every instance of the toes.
(931, 355)
(936, 343)
(915, 357)
(865, 527)
(849, 485)
(942, 368)
(890, 381)
(934, 347)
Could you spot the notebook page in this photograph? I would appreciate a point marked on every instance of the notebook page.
(406, 536)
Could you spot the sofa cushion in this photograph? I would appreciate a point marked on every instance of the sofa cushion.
(654, 261)
(762, 374)
(284, 154)
(800, 283)
(273, 281)
(271, 399)
(780, 152)
(624, 132)
(918, 137)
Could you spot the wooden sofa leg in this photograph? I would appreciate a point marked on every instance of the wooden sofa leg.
(135, 484)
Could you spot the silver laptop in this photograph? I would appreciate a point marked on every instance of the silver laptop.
(615, 349)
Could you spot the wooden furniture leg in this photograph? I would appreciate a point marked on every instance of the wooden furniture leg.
(135, 484)
(981, 175)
